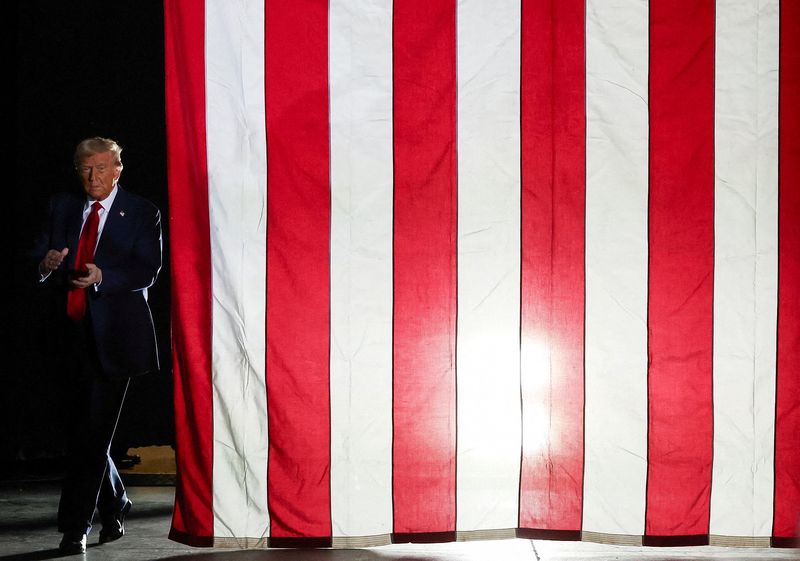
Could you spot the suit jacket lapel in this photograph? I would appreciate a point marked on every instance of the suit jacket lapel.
(115, 223)
(74, 223)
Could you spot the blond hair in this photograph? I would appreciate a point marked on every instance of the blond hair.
(97, 145)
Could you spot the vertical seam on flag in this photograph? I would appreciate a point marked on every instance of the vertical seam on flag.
(521, 278)
(330, 268)
(649, 260)
(585, 183)
(394, 294)
(713, 255)
(520, 305)
(552, 255)
(454, 205)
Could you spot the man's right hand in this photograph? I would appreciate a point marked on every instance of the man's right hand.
(52, 261)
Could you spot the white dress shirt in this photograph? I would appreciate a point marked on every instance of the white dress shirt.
(103, 213)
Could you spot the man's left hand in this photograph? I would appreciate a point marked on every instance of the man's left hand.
(95, 276)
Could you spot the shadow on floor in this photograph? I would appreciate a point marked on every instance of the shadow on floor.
(236, 555)
(33, 555)
(33, 524)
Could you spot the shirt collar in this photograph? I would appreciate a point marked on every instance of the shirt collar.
(106, 203)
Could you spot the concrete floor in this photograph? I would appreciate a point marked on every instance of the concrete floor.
(28, 533)
(28, 505)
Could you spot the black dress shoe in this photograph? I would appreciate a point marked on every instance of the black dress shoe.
(114, 527)
(72, 543)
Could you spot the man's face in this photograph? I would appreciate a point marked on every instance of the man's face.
(99, 175)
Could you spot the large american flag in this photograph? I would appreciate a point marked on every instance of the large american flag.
(481, 269)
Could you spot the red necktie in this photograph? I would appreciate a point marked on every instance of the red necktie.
(76, 297)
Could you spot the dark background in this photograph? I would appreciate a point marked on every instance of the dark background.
(82, 68)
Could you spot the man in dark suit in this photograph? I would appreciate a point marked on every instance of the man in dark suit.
(104, 249)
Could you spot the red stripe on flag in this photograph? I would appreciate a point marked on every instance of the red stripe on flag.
(184, 23)
(298, 268)
(681, 267)
(553, 192)
(786, 522)
(424, 66)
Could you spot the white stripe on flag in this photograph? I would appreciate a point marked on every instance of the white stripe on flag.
(746, 266)
(237, 171)
(616, 266)
(488, 392)
(360, 76)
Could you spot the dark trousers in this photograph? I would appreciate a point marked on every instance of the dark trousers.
(94, 402)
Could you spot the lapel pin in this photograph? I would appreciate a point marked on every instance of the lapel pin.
(122, 213)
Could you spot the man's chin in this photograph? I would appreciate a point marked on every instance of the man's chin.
(97, 194)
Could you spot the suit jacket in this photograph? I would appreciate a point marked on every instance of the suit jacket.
(129, 256)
